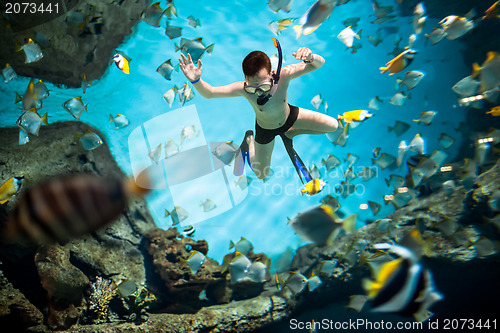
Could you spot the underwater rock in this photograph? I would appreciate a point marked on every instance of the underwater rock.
(72, 46)
(16, 308)
(168, 249)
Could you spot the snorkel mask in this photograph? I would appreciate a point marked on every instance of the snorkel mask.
(262, 99)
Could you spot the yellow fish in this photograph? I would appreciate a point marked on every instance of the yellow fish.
(356, 115)
(492, 12)
(495, 111)
(399, 63)
(9, 188)
(122, 62)
(313, 187)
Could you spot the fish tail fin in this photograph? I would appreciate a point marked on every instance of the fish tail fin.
(85, 107)
(416, 120)
(383, 69)
(387, 182)
(44, 119)
(177, 48)
(111, 118)
(298, 30)
(18, 98)
(210, 48)
(167, 213)
(231, 245)
(475, 70)
(400, 82)
(349, 224)
(373, 161)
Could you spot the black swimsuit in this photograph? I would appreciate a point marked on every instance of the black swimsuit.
(264, 136)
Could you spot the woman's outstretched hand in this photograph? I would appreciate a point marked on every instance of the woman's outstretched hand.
(191, 72)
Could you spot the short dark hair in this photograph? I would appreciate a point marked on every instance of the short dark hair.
(254, 62)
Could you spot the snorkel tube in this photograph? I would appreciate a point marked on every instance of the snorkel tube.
(261, 100)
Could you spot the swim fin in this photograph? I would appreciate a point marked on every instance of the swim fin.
(242, 155)
(300, 167)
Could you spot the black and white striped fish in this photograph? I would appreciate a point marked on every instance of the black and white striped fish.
(67, 207)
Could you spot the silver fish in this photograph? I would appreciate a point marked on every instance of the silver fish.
(330, 163)
(395, 181)
(400, 127)
(193, 22)
(194, 47)
(374, 207)
(208, 205)
(8, 73)
(32, 52)
(436, 35)
(75, 106)
(169, 96)
(347, 36)
(185, 94)
(296, 282)
(351, 159)
(244, 246)
(30, 121)
(89, 140)
(188, 133)
(225, 152)
(155, 153)
(195, 261)
(120, 121)
(243, 182)
(23, 137)
(173, 32)
(238, 268)
(417, 144)
(426, 117)
(276, 5)
(398, 99)
(445, 140)
(178, 215)
(317, 100)
(171, 148)
(412, 78)
(313, 283)
(166, 69)
(385, 160)
(314, 16)
(466, 87)
(153, 14)
(257, 272)
(315, 172)
(368, 173)
(456, 26)
(375, 103)
(331, 201)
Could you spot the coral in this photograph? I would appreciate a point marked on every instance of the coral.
(102, 291)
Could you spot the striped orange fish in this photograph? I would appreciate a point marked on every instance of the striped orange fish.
(67, 207)
(399, 63)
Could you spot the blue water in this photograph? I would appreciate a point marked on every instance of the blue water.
(346, 81)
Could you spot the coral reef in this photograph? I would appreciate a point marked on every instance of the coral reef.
(102, 291)
(80, 41)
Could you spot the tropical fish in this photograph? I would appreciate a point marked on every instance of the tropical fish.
(169, 96)
(194, 261)
(8, 73)
(193, 22)
(315, 172)
(23, 137)
(419, 18)
(347, 36)
(492, 11)
(313, 187)
(402, 148)
(9, 188)
(225, 152)
(375, 103)
(243, 182)
(436, 35)
(445, 140)
(376, 152)
(122, 62)
(376, 38)
(69, 206)
(171, 148)
(185, 94)
(400, 127)
(426, 117)
(173, 32)
(194, 47)
(351, 159)
(330, 163)
(188, 231)
(166, 69)
(31, 51)
(456, 26)
(313, 282)
(467, 86)
(208, 205)
(30, 121)
(401, 285)
(385, 160)
(417, 144)
(326, 267)
(399, 63)
(243, 246)
(368, 173)
(257, 272)
(153, 14)
(356, 302)
(395, 181)
(276, 5)
(351, 22)
(279, 25)
(171, 9)
(331, 201)
(178, 214)
(412, 78)
(381, 11)
(188, 133)
(155, 153)
(374, 207)
(321, 224)
(120, 121)
(494, 111)
(317, 101)
(89, 140)
(356, 115)
(399, 99)
(30, 99)
(239, 267)
(314, 16)
(296, 282)
(489, 72)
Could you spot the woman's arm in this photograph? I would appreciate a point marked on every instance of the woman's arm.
(193, 74)
(310, 63)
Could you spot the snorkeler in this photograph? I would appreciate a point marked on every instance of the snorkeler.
(274, 116)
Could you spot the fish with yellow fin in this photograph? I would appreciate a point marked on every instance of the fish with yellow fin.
(313, 187)
(355, 115)
(122, 62)
(492, 11)
(488, 72)
(9, 188)
(399, 63)
(495, 111)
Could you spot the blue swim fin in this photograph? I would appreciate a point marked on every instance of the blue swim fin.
(300, 167)
(242, 156)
